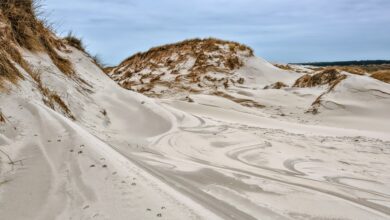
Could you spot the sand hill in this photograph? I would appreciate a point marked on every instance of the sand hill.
(223, 134)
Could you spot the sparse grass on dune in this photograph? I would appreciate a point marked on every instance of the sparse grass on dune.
(382, 75)
(74, 41)
(7, 70)
(78, 43)
(20, 27)
(277, 85)
(98, 61)
(351, 69)
(108, 69)
(51, 98)
(284, 67)
(208, 44)
(380, 72)
(329, 77)
(198, 58)
(324, 77)
(25, 28)
(314, 109)
(241, 101)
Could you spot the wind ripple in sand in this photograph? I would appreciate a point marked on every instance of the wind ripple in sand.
(290, 171)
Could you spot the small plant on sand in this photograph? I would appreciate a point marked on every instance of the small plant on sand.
(329, 77)
(2, 118)
(74, 41)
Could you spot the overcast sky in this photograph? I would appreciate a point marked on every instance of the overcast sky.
(278, 30)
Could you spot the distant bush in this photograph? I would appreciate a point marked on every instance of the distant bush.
(347, 63)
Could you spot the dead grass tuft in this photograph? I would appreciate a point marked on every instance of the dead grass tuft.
(7, 71)
(75, 42)
(63, 64)
(382, 75)
(243, 102)
(51, 98)
(352, 69)
(315, 106)
(108, 69)
(2, 117)
(377, 71)
(325, 77)
(99, 62)
(20, 27)
(331, 77)
(277, 85)
(284, 67)
(22, 20)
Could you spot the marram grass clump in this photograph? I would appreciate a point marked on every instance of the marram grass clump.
(20, 28)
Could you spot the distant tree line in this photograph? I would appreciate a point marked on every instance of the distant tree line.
(347, 63)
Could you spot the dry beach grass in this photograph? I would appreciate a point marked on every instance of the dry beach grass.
(21, 28)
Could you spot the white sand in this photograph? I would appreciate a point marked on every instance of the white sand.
(210, 159)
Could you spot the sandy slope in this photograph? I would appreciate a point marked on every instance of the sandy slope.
(293, 172)
(52, 167)
(209, 159)
(68, 173)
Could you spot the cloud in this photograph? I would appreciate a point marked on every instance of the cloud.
(279, 30)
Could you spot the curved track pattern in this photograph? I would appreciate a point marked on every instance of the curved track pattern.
(270, 173)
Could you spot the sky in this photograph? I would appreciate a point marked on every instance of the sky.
(278, 30)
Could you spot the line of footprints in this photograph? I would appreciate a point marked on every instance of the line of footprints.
(114, 173)
(159, 214)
